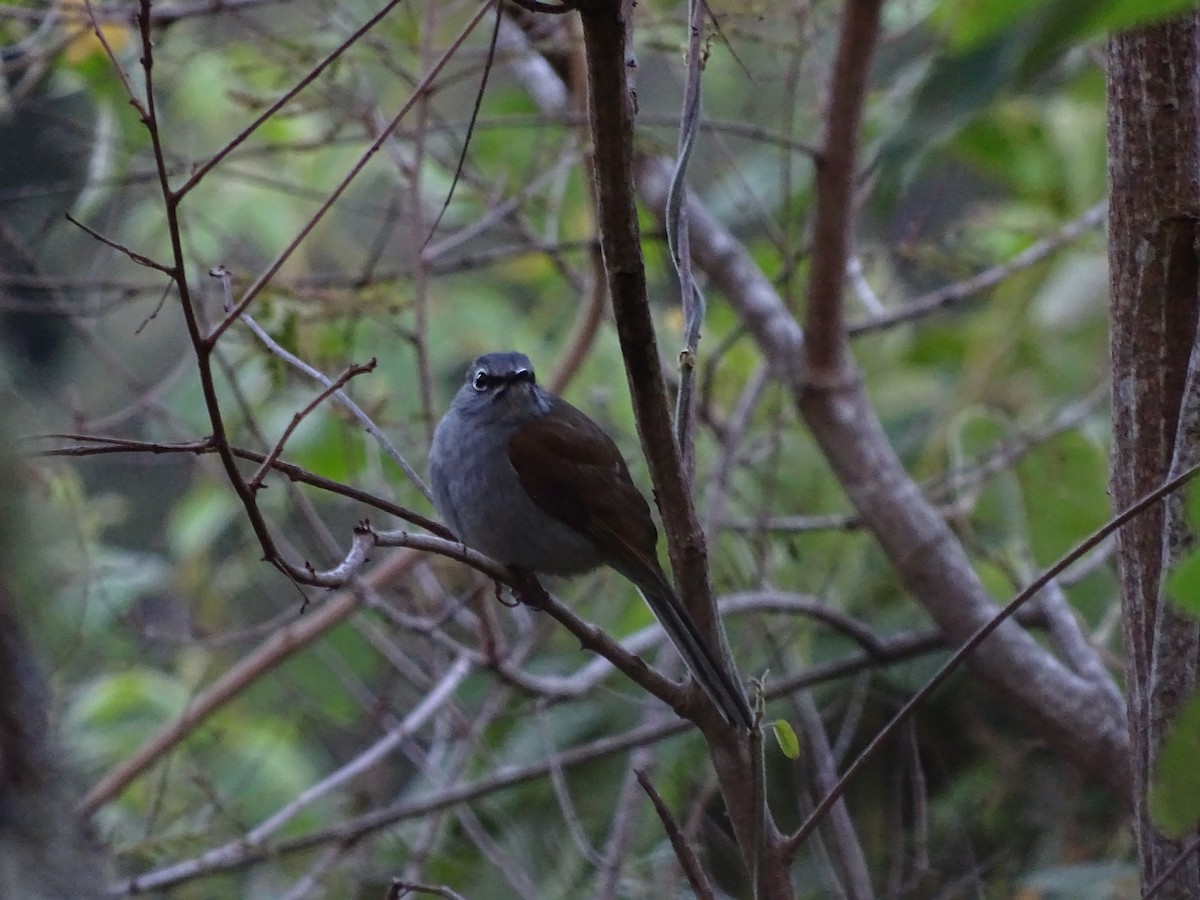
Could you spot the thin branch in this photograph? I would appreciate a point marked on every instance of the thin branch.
(691, 299)
(256, 480)
(1095, 539)
(95, 445)
(336, 192)
(692, 869)
(98, 31)
(801, 605)
(121, 248)
(824, 776)
(265, 116)
(355, 829)
(472, 121)
(592, 308)
(951, 294)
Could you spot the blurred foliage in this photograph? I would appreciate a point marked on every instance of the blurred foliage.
(985, 132)
(1175, 794)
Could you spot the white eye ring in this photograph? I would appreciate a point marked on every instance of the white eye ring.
(481, 381)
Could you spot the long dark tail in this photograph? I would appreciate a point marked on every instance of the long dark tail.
(714, 678)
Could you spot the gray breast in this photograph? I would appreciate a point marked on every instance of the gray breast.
(477, 492)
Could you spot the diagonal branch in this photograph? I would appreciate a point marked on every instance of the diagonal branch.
(1079, 719)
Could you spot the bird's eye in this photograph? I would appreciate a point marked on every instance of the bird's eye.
(482, 381)
(523, 375)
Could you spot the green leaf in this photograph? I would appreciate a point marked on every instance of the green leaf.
(1183, 583)
(1117, 15)
(200, 518)
(1191, 504)
(970, 24)
(1175, 787)
(973, 23)
(786, 738)
(110, 716)
(111, 585)
(1064, 488)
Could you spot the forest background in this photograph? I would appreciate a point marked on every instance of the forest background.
(247, 249)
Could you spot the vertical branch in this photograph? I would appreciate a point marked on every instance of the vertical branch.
(737, 762)
(610, 112)
(591, 308)
(824, 775)
(837, 164)
(417, 230)
(202, 344)
(691, 299)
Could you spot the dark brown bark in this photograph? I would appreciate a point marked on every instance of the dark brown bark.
(1154, 166)
(736, 760)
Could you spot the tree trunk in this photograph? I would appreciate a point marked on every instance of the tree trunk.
(1154, 165)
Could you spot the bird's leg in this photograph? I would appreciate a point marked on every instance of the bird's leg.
(527, 589)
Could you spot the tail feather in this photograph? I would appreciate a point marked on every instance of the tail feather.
(706, 668)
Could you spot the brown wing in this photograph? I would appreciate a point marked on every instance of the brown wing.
(575, 472)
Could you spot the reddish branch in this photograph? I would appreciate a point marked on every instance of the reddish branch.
(837, 167)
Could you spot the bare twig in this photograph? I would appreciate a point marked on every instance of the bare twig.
(331, 198)
(692, 869)
(121, 248)
(824, 776)
(691, 298)
(352, 830)
(95, 445)
(951, 294)
(256, 480)
(986, 630)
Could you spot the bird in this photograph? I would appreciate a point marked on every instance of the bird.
(524, 477)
